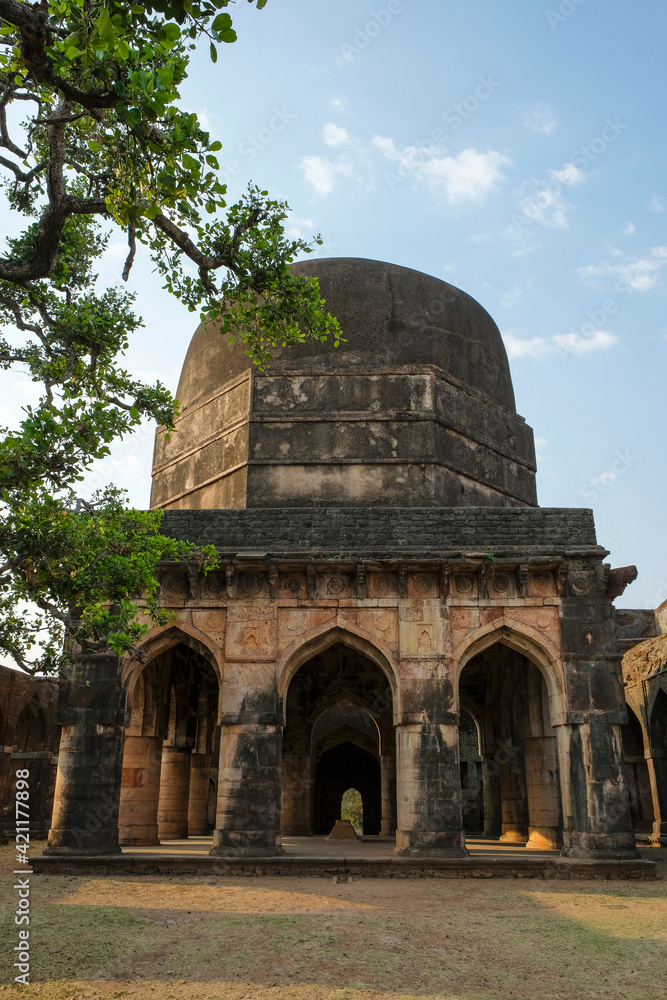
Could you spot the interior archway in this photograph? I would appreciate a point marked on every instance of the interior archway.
(338, 734)
(518, 757)
(169, 758)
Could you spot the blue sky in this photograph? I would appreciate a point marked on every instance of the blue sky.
(514, 149)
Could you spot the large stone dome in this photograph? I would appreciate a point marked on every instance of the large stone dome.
(390, 315)
(415, 409)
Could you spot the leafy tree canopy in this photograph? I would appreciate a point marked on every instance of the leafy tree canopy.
(92, 137)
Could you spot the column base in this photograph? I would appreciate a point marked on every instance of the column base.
(139, 840)
(513, 837)
(433, 845)
(167, 831)
(545, 839)
(246, 844)
(593, 854)
(605, 847)
(431, 852)
(64, 849)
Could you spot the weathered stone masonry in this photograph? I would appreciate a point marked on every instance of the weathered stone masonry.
(387, 583)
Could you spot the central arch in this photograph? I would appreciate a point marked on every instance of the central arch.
(338, 734)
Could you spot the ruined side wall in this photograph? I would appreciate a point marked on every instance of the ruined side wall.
(33, 700)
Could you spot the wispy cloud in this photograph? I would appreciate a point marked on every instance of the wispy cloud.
(560, 343)
(544, 202)
(334, 135)
(656, 203)
(468, 176)
(540, 118)
(322, 174)
(640, 274)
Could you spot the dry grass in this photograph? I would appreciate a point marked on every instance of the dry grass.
(311, 939)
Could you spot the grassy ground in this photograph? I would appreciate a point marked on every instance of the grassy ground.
(312, 939)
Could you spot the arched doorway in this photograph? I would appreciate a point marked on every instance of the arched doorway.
(168, 759)
(338, 735)
(518, 748)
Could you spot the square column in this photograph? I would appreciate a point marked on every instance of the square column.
(200, 769)
(428, 790)
(172, 813)
(596, 808)
(140, 792)
(91, 711)
(249, 791)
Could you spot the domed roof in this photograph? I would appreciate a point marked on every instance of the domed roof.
(389, 315)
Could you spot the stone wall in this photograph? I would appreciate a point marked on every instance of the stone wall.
(390, 531)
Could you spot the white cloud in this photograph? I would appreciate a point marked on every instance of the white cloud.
(540, 118)
(543, 201)
(629, 229)
(561, 343)
(300, 229)
(656, 203)
(334, 135)
(322, 174)
(576, 343)
(512, 295)
(640, 274)
(569, 174)
(517, 348)
(469, 176)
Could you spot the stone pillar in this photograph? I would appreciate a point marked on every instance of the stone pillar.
(200, 768)
(428, 790)
(596, 809)
(249, 790)
(491, 794)
(513, 825)
(657, 769)
(91, 711)
(296, 795)
(140, 791)
(172, 812)
(544, 819)
(388, 782)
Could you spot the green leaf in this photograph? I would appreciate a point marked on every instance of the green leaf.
(222, 22)
(214, 53)
(172, 31)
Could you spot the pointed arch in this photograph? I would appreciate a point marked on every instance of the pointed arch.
(318, 640)
(523, 640)
(160, 640)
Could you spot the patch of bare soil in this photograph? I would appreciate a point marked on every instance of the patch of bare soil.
(181, 938)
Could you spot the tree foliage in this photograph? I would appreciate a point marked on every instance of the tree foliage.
(92, 137)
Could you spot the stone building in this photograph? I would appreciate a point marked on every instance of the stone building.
(29, 740)
(394, 612)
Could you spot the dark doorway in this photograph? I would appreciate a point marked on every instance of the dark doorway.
(338, 769)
